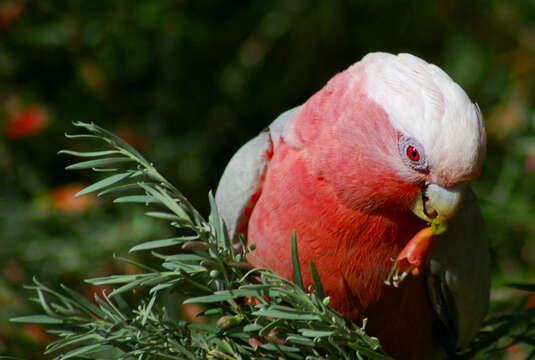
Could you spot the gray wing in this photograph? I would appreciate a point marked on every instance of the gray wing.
(242, 179)
(459, 277)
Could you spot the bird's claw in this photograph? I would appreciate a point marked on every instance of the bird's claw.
(413, 254)
(397, 274)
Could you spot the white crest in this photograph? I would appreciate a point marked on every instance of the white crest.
(423, 102)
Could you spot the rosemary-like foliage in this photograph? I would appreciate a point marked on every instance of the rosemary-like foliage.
(257, 314)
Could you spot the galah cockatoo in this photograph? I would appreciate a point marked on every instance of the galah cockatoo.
(387, 147)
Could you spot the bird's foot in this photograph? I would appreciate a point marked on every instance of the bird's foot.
(396, 275)
(413, 254)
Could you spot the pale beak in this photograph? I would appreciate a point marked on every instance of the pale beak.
(438, 204)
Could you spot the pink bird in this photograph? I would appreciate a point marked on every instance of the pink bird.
(386, 147)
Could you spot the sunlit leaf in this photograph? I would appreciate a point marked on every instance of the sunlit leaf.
(289, 314)
(223, 295)
(106, 182)
(37, 319)
(162, 215)
(316, 333)
(97, 163)
(139, 199)
(89, 153)
(155, 244)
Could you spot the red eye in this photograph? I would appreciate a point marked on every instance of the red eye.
(413, 154)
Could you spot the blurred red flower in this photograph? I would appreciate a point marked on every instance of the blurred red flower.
(37, 333)
(98, 290)
(530, 302)
(136, 140)
(190, 312)
(9, 12)
(29, 121)
(13, 272)
(62, 199)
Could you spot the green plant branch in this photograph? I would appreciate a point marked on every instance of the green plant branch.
(253, 313)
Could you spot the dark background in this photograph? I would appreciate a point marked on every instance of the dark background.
(187, 82)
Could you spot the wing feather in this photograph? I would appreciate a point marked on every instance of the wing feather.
(459, 277)
(241, 183)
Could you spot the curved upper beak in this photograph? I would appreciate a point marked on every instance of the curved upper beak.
(438, 204)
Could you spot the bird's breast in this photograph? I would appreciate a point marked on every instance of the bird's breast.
(353, 250)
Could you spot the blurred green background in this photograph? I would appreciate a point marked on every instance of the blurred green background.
(187, 82)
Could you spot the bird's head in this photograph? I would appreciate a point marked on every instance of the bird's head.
(394, 131)
(441, 132)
